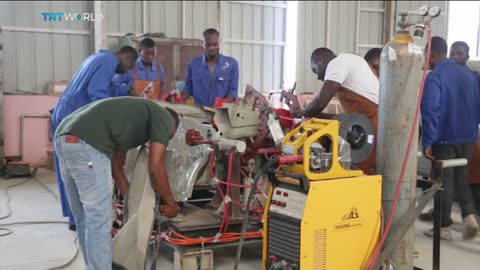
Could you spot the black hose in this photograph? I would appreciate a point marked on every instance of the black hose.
(259, 175)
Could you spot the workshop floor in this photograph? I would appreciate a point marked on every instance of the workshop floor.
(51, 245)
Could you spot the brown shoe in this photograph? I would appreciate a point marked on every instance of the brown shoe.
(471, 227)
(445, 233)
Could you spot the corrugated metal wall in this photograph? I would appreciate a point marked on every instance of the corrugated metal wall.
(370, 29)
(252, 31)
(342, 26)
(178, 19)
(312, 26)
(347, 26)
(32, 58)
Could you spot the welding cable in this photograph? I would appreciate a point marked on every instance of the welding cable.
(229, 181)
(69, 262)
(211, 163)
(212, 174)
(176, 238)
(225, 211)
(259, 175)
(9, 210)
(229, 184)
(229, 174)
(222, 236)
(243, 205)
(240, 186)
(258, 217)
(259, 190)
(225, 219)
(405, 158)
(286, 118)
(7, 231)
(46, 188)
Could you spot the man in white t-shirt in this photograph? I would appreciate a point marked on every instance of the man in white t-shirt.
(350, 78)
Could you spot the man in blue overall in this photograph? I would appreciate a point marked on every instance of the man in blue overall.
(92, 81)
(450, 117)
(212, 75)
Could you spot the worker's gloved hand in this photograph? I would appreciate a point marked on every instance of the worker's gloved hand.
(170, 210)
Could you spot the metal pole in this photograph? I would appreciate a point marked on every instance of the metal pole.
(437, 214)
(437, 175)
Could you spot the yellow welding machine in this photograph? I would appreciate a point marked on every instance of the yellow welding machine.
(319, 213)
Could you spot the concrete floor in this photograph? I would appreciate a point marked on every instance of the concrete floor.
(50, 245)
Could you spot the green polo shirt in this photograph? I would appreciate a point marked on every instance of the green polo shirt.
(118, 124)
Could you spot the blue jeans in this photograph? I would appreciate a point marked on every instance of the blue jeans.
(87, 175)
(66, 211)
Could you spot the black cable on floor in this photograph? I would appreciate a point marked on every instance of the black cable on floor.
(41, 222)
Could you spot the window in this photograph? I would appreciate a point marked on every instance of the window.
(464, 25)
(290, 66)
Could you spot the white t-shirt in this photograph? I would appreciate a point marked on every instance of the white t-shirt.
(354, 73)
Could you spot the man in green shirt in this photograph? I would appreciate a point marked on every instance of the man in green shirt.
(91, 144)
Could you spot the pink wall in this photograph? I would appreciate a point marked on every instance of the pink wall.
(35, 130)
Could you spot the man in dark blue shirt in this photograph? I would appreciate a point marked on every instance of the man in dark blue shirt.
(450, 117)
(91, 82)
(212, 75)
(459, 51)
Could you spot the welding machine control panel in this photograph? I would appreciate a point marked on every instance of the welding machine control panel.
(288, 202)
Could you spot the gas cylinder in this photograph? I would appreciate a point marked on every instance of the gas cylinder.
(401, 64)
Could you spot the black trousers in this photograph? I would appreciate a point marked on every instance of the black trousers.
(476, 196)
(455, 179)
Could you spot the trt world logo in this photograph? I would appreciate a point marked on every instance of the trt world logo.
(66, 16)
